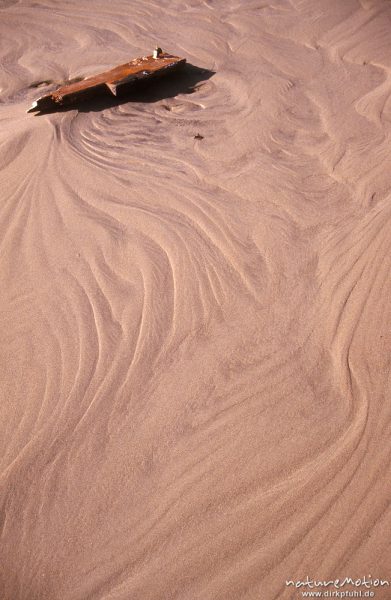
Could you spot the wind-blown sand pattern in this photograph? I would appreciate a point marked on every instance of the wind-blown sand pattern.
(195, 332)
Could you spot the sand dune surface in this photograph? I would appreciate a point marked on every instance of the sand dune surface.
(195, 302)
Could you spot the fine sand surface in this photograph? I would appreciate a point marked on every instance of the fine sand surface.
(195, 365)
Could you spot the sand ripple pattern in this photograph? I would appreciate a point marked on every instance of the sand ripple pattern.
(194, 333)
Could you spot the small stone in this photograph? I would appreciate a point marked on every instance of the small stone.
(157, 52)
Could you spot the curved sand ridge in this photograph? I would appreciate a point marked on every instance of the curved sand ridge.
(195, 340)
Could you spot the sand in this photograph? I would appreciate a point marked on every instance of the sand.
(195, 380)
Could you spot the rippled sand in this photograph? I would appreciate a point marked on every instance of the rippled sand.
(195, 332)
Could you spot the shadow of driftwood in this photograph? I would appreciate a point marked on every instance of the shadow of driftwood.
(184, 81)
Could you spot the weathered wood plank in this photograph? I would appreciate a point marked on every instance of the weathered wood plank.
(113, 80)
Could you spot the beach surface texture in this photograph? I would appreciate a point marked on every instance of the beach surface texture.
(195, 302)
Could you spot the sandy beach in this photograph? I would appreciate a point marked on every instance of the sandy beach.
(195, 302)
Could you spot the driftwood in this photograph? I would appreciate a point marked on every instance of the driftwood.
(114, 81)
